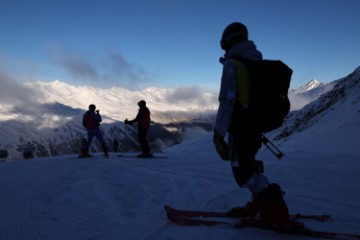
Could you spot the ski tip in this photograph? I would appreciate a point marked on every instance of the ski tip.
(324, 217)
(167, 207)
(319, 218)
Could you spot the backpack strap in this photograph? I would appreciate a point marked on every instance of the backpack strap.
(243, 83)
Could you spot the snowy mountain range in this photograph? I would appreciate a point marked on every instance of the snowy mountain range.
(48, 119)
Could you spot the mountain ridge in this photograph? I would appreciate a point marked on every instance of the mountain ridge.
(53, 126)
(343, 100)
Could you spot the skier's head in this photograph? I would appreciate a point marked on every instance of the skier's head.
(234, 33)
(92, 107)
(141, 103)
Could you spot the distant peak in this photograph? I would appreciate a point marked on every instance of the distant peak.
(313, 83)
(310, 85)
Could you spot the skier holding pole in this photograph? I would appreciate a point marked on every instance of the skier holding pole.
(143, 120)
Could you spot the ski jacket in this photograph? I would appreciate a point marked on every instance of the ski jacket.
(143, 118)
(229, 89)
(91, 120)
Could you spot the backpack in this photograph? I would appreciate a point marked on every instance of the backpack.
(89, 120)
(268, 84)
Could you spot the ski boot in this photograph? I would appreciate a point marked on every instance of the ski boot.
(106, 153)
(272, 210)
(145, 155)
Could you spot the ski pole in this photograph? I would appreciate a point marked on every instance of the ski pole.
(272, 147)
(125, 138)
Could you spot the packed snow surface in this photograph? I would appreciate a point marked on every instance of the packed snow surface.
(122, 198)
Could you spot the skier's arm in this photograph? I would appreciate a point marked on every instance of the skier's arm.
(227, 98)
(136, 119)
(98, 117)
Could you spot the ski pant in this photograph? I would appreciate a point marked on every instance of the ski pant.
(95, 133)
(142, 134)
(245, 140)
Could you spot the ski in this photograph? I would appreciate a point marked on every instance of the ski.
(134, 156)
(193, 218)
(94, 156)
(232, 214)
(89, 156)
(188, 221)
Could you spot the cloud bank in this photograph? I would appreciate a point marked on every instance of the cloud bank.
(14, 93)
(110, 69)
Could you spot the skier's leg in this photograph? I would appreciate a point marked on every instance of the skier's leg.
(146, 144)
(244, 145)
(90, 136)
(84, 149)
(143, 141)
(267, 198)
(100, 138)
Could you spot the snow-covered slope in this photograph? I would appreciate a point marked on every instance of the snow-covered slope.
(337, 111)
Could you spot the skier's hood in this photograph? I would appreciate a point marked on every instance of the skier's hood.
(246, 49)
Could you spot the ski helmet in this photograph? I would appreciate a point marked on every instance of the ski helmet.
(141, 103)
(234, 33)
(92, 107)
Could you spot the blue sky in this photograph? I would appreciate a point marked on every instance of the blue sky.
(171, 43)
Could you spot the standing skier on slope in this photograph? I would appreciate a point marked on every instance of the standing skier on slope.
(143, 120)
(244, 137)
(91, 121)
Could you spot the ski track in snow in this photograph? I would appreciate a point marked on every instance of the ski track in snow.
(123, 198)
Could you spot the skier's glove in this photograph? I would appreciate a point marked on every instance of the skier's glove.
(221, 146)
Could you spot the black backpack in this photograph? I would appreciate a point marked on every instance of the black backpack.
(269, 82)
